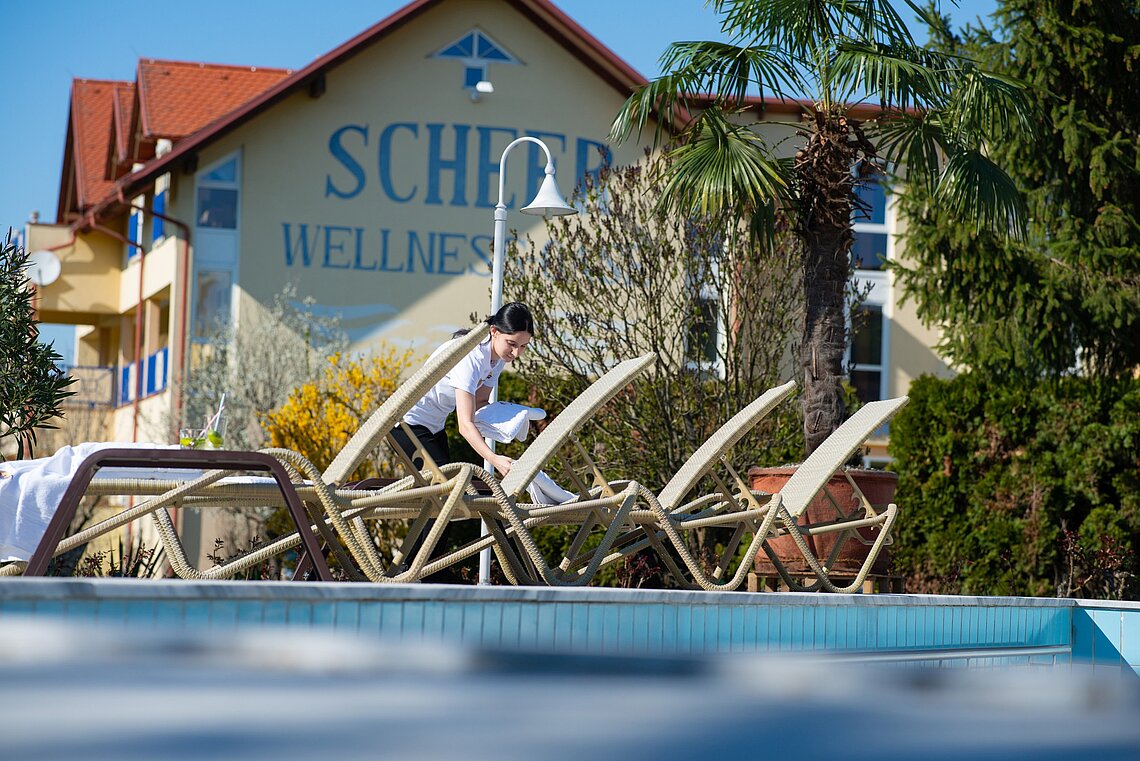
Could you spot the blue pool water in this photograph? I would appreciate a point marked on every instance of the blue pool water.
(111, 668)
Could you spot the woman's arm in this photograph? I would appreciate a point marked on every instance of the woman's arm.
(465, 414)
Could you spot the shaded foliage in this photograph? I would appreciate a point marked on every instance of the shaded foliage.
(1067, 295)
(1019, 489)
(627, 278)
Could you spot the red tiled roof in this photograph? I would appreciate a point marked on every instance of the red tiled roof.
(114, 124)
(543, 13)
(92, 101)
(177, 98)
(118, 151)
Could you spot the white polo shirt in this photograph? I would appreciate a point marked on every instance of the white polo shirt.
(473, 371)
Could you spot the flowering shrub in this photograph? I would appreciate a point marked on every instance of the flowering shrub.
(318, 418)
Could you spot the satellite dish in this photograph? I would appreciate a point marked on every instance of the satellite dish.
(43, 267)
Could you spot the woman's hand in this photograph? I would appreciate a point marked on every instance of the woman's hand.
(503, 464)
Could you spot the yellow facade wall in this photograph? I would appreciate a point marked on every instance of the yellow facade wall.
(377, 197)
(89, 281)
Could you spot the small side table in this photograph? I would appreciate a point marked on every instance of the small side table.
(178, 459)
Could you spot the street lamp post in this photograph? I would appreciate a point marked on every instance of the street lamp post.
(548, 202)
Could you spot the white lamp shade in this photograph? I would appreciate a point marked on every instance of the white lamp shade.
(548, 202)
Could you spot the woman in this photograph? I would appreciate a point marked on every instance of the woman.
(467, 387)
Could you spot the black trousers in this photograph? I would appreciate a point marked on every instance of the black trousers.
(435, 444)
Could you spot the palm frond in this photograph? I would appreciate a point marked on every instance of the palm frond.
(984, 105)
(878, 21)
(892, 74)
(795, 26)
(912, 140)
(730, 70)
(665, 100)
(975, 188)
(724, 166)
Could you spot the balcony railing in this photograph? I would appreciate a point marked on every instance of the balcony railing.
(94, 386)
(154, 378)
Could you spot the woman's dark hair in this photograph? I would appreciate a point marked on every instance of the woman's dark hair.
(512, 318)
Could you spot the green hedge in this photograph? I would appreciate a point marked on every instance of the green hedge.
(1019, 490)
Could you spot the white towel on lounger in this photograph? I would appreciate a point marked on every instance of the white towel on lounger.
(505, 422)
(31, 490)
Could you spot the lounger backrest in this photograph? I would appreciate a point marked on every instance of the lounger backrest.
(547, 443)
(811, 476)
(388, 414)
(720, 442)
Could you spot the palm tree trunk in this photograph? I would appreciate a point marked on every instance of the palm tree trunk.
(823, 168)
(824, 333)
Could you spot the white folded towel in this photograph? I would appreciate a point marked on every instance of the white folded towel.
(506, 421)
(31, 490)
(543, 491)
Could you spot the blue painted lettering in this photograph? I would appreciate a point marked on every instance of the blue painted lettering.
(302, 243)
(384, 266)
(481, 245)
(358, 262)
(457, 165)
(488, 165)
(601, 154)
(416, 251)
(341, 154)
(334, 244)
(385, 162)
(429, 252)
(447, 152)
(449, 249)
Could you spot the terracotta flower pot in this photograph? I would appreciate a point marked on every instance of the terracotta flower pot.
(877, 485)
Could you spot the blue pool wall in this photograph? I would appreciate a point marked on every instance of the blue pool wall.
(602, 621)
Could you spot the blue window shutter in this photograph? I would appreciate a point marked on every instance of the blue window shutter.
(157, 226)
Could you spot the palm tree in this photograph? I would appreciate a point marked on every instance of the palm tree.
(935, 114)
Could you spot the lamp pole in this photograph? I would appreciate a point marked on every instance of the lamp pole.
(548, 202)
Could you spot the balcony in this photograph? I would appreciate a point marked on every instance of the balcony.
(155, 371)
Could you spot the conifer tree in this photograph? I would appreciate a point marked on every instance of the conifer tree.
(1067, 295)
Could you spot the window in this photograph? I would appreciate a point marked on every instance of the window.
(869, 251)
(704, 335)
(217, 207)
(705, 341)
(135, 229)
(867, 354)
(475, 50)
(217, 202)
(212, 303)
(473, 75)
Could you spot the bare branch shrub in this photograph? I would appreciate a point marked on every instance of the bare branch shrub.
(626, 277)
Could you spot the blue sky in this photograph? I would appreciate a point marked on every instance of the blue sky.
(47, 43)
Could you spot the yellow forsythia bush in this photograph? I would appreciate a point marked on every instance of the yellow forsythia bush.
(318, 418)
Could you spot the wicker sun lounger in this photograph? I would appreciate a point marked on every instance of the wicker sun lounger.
(726, 506)
(781, 514)
(331, 506)
(603, 505)
(511, 517)
(811, 479)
